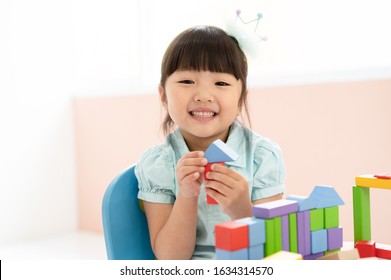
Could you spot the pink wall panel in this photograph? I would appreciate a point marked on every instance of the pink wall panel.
(329, 134)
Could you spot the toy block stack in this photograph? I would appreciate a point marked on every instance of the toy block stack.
(307, 226)
(362, 215)
(241, 239)
(318, 230)
(218, 153)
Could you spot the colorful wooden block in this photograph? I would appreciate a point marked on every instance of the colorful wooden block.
(231, 236)
(292, 233)
(256, 252)
(318, 241)
(208, 167)
(285, 233)
(305, 203)
(270, 244)
(274, 208)
(241, 254)
(303, 233)
(366, 248)
(361, 213)
(383, 251)
(331, 217)
(316, 219)
(334, 238)
(312, 257)
(218, 151)
(325, 196)
(284, 255)
(256, 230)
(278, 233)
(371, 181)
(342, 255)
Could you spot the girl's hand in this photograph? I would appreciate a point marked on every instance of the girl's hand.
(189, 173)
(230, 190)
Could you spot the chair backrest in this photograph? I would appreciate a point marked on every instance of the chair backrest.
(124, 223)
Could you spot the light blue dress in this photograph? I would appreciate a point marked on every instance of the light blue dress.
(260, 162)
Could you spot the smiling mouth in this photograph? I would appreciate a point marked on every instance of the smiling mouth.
(203, 114)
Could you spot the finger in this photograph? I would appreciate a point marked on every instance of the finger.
(226, 170)
(218, 187)
(193, 162)
(223, 178)
(185, 171)
(190, 178)
(194, 154)
(219, 197)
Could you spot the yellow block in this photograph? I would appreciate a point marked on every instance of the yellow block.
(370, 181)
(284, 255)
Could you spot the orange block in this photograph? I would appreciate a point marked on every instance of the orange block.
(231, 236)
(366, 248)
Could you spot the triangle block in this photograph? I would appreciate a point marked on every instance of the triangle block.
(325, 196)
(218, 151)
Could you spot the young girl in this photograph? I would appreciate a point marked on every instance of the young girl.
(203, 89)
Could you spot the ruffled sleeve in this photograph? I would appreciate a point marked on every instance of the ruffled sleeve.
(269, 170)
(155, 173)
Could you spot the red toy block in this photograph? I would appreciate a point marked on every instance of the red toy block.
(383, 251)
(366, 248)
(231, 236)
(383, 176)
(208, 167)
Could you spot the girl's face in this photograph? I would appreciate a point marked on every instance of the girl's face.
(202, 104)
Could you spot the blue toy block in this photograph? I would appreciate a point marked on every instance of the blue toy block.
(325, 196)
(256, 230)
(256, 252)
(218, 151)
(241, 254)
(305, 203)
(318, 241)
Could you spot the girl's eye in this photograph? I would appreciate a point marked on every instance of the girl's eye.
(222, 84)
(187, 82)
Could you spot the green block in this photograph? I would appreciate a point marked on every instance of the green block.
(293, 233)
(316, 219)
(331, 217)
(361, 213)
(278, 233)
(270, 247)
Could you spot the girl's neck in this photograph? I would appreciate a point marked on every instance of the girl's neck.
(195, 143)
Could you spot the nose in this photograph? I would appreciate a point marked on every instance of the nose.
(203, 96)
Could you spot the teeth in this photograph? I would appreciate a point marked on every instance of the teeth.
(203, 114)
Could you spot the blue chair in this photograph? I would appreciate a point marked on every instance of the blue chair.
(124, 223)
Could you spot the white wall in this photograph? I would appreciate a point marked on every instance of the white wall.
(37, 181)
(52, 51)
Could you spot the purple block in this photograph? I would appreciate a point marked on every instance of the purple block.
(285, 232)
(303, 233)
(275, 208)
(313, 256)
(334, 238)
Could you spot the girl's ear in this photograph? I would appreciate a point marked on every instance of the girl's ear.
(163, 97)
